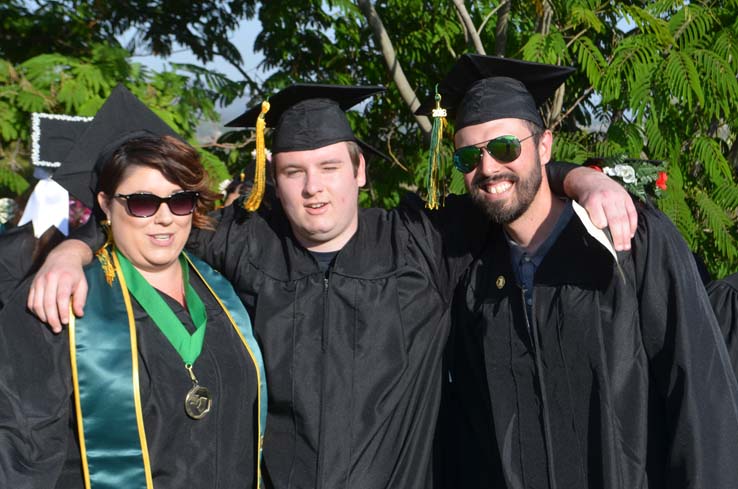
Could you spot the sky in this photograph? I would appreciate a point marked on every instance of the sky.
(243, 38)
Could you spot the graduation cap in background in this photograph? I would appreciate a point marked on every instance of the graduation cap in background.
(52, 138)
(121, 118)
(304, 116)
(481, 88)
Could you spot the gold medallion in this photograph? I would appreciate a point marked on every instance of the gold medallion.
(500, 282)
(198, 402)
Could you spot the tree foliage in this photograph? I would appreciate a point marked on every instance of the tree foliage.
(57, 83)
(71, 27)
(654, 80)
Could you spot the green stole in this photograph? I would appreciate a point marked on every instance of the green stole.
(104, 358)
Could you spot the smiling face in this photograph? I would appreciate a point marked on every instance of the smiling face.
(319, 191)
(152, 244)
(505, 190)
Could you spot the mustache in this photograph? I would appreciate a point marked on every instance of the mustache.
(481, 180)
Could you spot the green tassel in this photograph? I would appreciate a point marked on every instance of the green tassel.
(434, 155)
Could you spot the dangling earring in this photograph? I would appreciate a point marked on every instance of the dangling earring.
(103, 255)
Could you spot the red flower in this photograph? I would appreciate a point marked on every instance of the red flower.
(595, 167)
(661, 181)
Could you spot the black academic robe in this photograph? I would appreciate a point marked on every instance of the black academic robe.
(353, 356)
(621, 381)
(16, 253)
(38, 442)
(724, 298)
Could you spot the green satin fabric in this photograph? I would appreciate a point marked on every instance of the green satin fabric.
(105, 377)
(105, 383)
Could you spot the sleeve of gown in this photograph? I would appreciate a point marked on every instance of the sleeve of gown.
(225, 248)
(448, 237)
(35, 399)
(689, 364)
(90, 233)
(724, 298)
(556, 171)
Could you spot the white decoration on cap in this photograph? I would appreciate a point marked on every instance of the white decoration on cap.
(36, 135)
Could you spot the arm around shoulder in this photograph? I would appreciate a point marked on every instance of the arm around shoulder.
(60, 278)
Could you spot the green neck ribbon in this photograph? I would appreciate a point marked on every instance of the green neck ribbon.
(188, 346)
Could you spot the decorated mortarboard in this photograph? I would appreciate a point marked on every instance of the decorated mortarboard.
(304, 117)
(485, 88)
(121, 118)
(52, 138)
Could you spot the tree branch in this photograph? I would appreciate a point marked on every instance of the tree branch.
(390, 57)
(503, 21)
(469, 26)
(391, 153)
(571, 109)
(489, 16)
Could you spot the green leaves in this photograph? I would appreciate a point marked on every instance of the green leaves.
(680, 75)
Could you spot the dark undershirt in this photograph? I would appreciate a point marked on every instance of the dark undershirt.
(324, 259)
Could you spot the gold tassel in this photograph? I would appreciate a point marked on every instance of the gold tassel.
(103, 255)
(434, 155)
(257, 192)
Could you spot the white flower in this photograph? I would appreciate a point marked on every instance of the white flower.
(223, 185)
(625, 172)
(8, 208)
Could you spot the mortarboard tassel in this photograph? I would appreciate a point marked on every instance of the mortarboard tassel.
(257, 192)
(103, 254)
(434, 156)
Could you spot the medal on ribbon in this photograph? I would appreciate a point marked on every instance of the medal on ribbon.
(198, 400)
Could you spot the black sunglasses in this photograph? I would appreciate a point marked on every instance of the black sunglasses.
(504, 149)
(146, 205)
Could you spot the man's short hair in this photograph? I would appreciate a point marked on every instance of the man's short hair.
(355, 154)
(535, 130)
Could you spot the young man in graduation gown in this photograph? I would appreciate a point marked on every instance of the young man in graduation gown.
(573, 365)
(350, 306)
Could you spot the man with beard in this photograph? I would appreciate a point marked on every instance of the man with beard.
(350, 306)
(573, 365)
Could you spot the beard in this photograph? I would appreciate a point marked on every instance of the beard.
(507, 211)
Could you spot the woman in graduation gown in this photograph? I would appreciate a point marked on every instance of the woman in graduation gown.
(161, 383)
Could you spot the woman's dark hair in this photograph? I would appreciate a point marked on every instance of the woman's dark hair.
(177, 161)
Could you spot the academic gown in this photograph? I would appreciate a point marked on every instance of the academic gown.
(16, 253)
(353, 356)
(620, 379)
(38, 434)
(724, 298)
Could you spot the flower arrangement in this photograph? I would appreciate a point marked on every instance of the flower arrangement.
(8, 210)
(642, 178)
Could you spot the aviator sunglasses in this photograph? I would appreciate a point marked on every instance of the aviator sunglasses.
(504, 149)
(146, 205)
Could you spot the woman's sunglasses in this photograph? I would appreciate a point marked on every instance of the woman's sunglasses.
(146, 205)
(504, 149)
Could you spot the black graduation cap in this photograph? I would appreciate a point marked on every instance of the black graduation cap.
(53, 136)
(485, 88)
(307, 116)
(121, 118)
